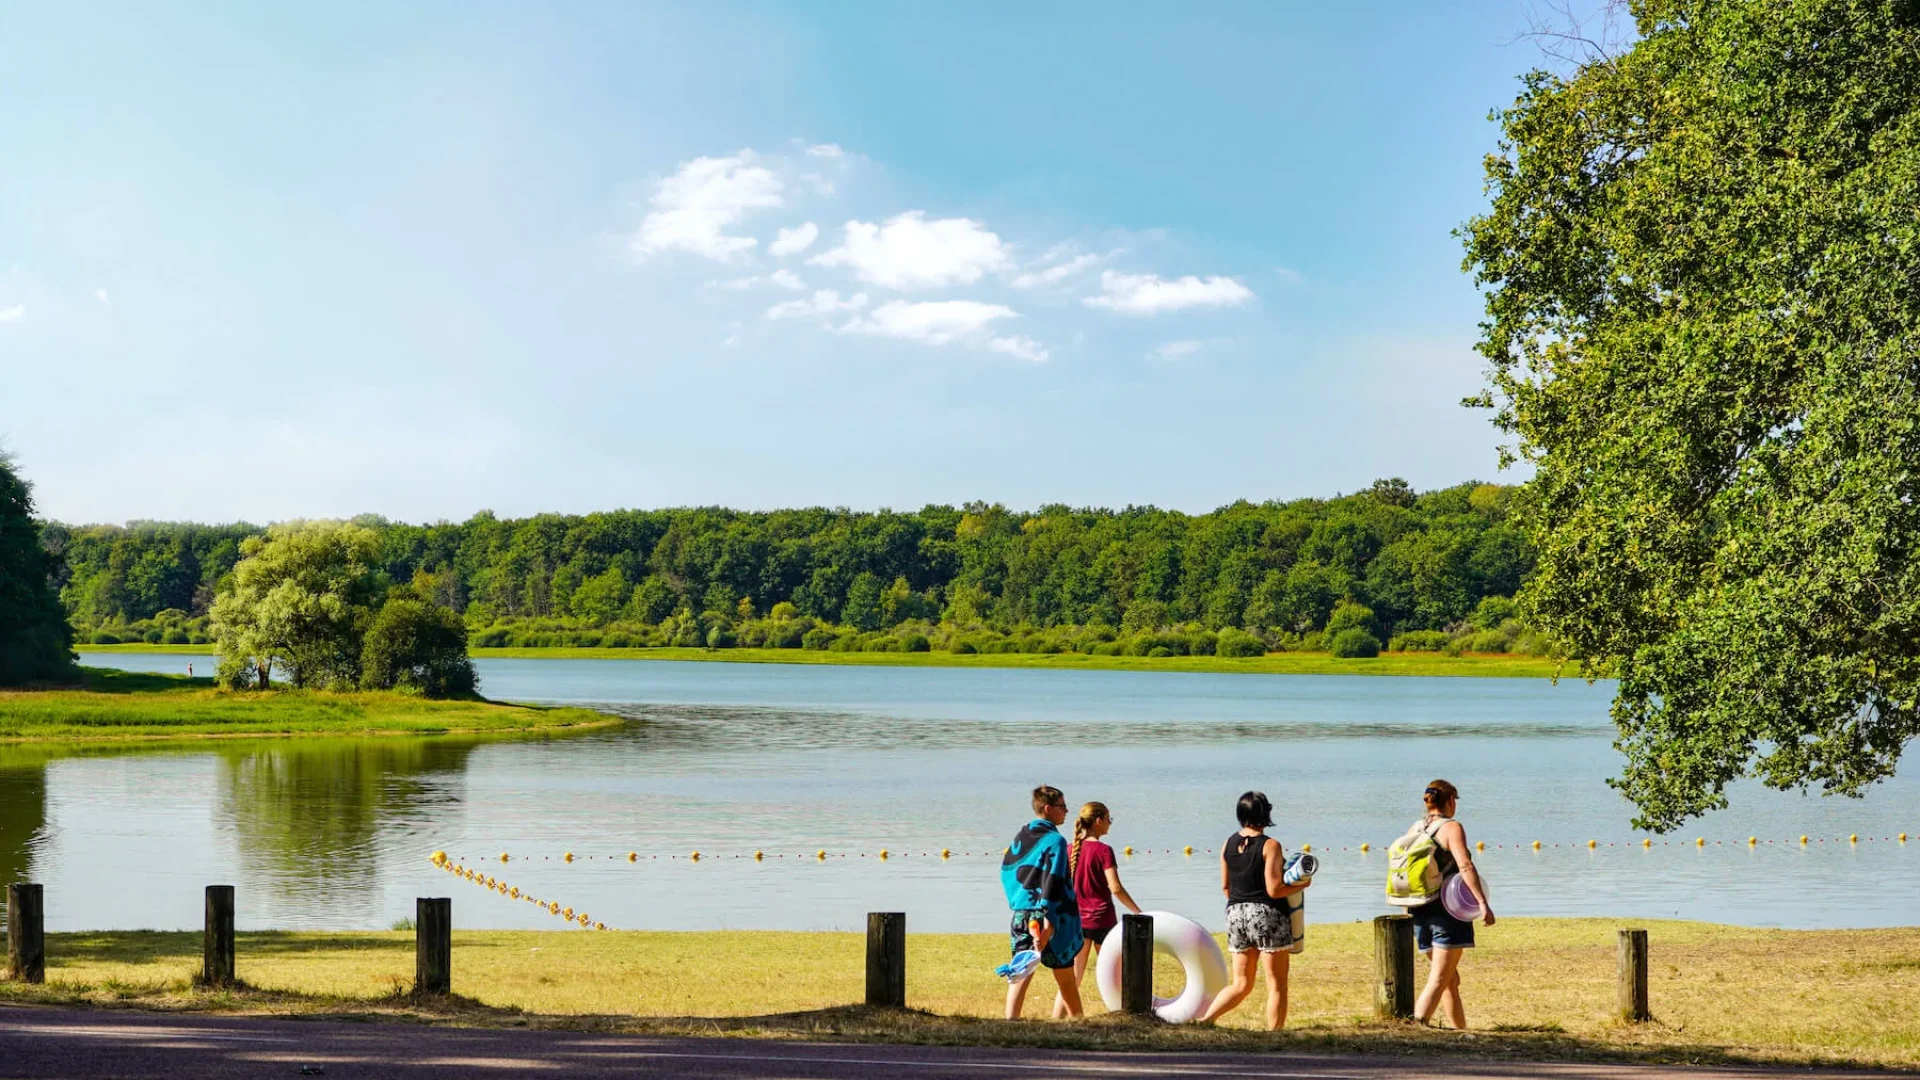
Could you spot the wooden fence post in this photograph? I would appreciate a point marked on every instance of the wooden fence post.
(26, 933)
(1633, 1005)
(433, 945)
(887, 958)
(1393, 967)
(216, 968)
(1136, 964)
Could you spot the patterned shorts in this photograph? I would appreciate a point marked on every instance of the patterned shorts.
(1062, 946)
(1258, 926)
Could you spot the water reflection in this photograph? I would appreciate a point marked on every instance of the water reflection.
(307, 817)
(23, 818)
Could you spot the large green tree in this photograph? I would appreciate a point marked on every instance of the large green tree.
(1702, 272)
(300, 600)
(34, 637)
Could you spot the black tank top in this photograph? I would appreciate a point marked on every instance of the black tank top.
(1247, 870)
(1443, 858)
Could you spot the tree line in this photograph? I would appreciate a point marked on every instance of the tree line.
(1395, 564)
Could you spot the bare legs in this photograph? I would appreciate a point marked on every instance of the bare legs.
(1443, 988)
(1087, 948)
(1276, 965)
(1069, 992)
(1237, 990)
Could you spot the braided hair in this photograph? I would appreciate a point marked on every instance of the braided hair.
(1082, 827)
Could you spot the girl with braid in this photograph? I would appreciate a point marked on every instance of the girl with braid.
(1096, 883)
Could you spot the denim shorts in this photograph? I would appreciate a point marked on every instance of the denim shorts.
(1062, 947)
(1432, 927)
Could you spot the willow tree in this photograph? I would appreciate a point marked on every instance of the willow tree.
(1702, 274)
(300, 600)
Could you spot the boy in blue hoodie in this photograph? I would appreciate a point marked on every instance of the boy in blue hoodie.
(1038, 879)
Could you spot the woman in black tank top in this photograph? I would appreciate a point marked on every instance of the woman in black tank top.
(1252, 866)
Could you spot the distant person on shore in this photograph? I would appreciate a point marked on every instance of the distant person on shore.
(1252, 869)
(1037, 876)
(1096, 883)
(1444, 938)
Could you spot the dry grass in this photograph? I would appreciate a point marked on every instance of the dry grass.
(1536, 988)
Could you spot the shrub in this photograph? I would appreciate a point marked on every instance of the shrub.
(417, 646)
(818, 639)
(915, 643)
(105, 637)
(1159, 651)
(963, 647)
(1419, 641)
(1238, 643)
(153, 636)
(174, 637)
(1351, 616)
(1108, 648)
(1354, 642)
(493, 637)
(1202, 643)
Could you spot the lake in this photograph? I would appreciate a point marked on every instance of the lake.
(729, 759)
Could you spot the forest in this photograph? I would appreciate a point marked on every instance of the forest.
(1387, 567)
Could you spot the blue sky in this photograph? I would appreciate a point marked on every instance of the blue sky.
(266, 261)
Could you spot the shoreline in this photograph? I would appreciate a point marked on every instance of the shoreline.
(1479, 665)
(117, 707)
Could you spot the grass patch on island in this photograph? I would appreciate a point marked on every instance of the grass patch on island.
(121, 705)
(1536, 988)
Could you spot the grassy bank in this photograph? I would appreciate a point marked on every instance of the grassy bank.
(1535, 988)
(120, 706)
(1300, 663)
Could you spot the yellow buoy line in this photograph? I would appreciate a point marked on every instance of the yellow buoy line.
(1188, 851)
(491, 884)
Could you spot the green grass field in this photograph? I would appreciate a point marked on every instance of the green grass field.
(1535, 988)
(1495, 665)
(123, 706)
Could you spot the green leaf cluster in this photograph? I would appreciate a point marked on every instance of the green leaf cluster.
(1702, 273)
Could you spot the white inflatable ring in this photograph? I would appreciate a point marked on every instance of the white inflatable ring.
(1190, 944)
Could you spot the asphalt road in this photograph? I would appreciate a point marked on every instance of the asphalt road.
(47, 1042)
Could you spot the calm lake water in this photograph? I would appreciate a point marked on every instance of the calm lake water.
(728, 759)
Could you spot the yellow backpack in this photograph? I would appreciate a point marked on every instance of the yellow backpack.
(1413, 866)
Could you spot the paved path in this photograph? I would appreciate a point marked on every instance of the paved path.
(47, 1042)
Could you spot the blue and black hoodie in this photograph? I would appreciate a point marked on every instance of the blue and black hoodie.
(1036, 874)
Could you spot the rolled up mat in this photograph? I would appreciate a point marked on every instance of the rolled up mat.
(1300, 866)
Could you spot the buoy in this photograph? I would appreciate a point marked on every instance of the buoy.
(821, 854)
(1803, 841)
(1592, 844)
(883, 853)
(633, 856)
(568, 856)
(1903, 838)
(566, 913)
(1129, 850)
(1700, 841)
(695, 856)
(515, 893)
(1188, 850)
(945, 852)
(504, 857)
(1536, 845)
(1480, 846)
(757, 856)
(438, 856)
(1751, 841)
(1646, 843)
(1853, 838)
(1304, 848)
(599, 926)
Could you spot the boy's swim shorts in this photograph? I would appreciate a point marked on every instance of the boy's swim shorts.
(1061, 948)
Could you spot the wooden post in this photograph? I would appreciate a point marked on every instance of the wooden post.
(887, 958)
(1633, 1006)
(1136, 964)
(1393, 967)
(433, 945)
(26, 933)
(216, 968)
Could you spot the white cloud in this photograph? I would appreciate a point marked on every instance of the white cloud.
(786, 279)
(910, 252)
(823, 302)
(101, 295)
(828, 150)
(1053, 275)
(783, 277)
(13, 314)
(794, 241)
(934, 322)
(1179, 350)
(1148, 294)
(1024, 348)
(820, 184)
(693, 208)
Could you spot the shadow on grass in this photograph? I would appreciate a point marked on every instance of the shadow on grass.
(111, 681)
(156, 946)
(864, 1024)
